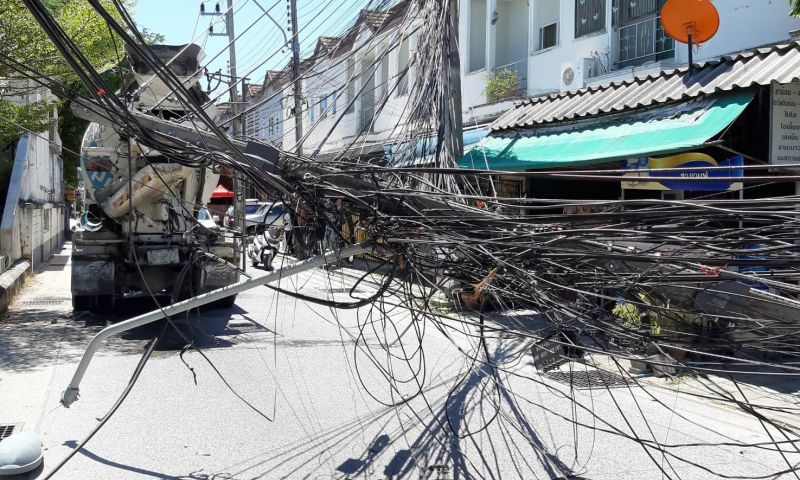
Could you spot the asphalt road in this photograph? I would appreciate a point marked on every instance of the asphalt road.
(298, 390)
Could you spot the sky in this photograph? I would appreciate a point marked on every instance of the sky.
(261, 46)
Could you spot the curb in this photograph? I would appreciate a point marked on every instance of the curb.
(11, 282)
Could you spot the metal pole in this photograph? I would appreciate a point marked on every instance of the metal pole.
(238, 188)
(233, 91)
(453, 126)
(298, 83)
(71, 393)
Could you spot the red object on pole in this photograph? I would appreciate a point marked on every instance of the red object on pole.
(222, 192)
(690, 21)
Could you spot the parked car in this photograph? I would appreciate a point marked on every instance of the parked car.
(270, 214)
(251, 206)
(205, 218)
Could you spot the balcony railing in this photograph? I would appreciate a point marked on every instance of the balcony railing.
(505, 91)
(643, 41)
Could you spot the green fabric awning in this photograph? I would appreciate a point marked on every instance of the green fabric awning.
(655, 132)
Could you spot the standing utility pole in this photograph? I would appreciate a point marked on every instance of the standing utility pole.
(238, 187)
(453, 129)
(298, 84)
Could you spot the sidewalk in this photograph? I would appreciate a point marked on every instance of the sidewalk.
(34, 335)
(40, 342)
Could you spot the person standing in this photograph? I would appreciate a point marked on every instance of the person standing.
(287, 231)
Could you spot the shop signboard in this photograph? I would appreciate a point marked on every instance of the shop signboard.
(785, 124)
(693, 163)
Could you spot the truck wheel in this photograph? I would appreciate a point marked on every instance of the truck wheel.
(101, 303)
(81, 302)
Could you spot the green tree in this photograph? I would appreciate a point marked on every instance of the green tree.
(795, 4)
(23, 40)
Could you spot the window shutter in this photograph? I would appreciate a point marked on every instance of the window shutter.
(590, 16)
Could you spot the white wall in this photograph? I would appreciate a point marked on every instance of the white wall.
(272, 109)
(35, 226)
(745, 24)
(330, 75)
(546, 12)
(43, 178)
(544, 67)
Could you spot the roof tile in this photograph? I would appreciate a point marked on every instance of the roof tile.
(759, 66)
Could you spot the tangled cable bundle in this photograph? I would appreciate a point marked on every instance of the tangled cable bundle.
(706, 288)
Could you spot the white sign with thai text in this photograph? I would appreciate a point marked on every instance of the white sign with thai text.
(785, 141)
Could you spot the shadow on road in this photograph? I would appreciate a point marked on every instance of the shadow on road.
(31, 338)
(430, 442)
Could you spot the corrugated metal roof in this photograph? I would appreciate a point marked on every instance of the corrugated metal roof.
(761, 66)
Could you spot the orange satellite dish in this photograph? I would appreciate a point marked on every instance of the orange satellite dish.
(690, 21)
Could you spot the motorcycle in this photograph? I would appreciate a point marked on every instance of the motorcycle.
(264, 247)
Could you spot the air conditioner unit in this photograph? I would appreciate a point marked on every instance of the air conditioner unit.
(575, 73)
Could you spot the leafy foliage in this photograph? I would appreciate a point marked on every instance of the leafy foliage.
(628, 314)
(502, 84)
(22, 39)
(795, 4)
(33, 116)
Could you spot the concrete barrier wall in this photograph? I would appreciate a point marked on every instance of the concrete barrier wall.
(33, 219)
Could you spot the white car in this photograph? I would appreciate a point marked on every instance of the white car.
(251, 205)
(270, 214)
(205, 219)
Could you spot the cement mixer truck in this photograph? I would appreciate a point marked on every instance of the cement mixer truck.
(138, 236)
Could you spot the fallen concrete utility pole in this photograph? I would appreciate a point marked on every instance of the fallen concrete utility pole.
(71, 393)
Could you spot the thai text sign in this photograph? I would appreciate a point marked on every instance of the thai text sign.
(785, 122)
(681, 167)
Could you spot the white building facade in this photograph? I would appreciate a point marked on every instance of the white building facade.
(563, 45)
(548, 45)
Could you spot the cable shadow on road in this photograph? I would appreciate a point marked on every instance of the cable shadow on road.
(129, 468)
(444, 435)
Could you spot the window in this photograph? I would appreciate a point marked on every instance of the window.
(640, 35)
(643, 41)
(276, 210)
(590, 17)
(323, 107)
(251, 208)
(403, 68)
(350, 91)
(548, 36)
(333, 102)
(271, 126)
(626, 12)
(477, 35)
(311, 108)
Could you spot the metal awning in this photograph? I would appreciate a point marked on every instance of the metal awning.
(659, 131)
(427, 147)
